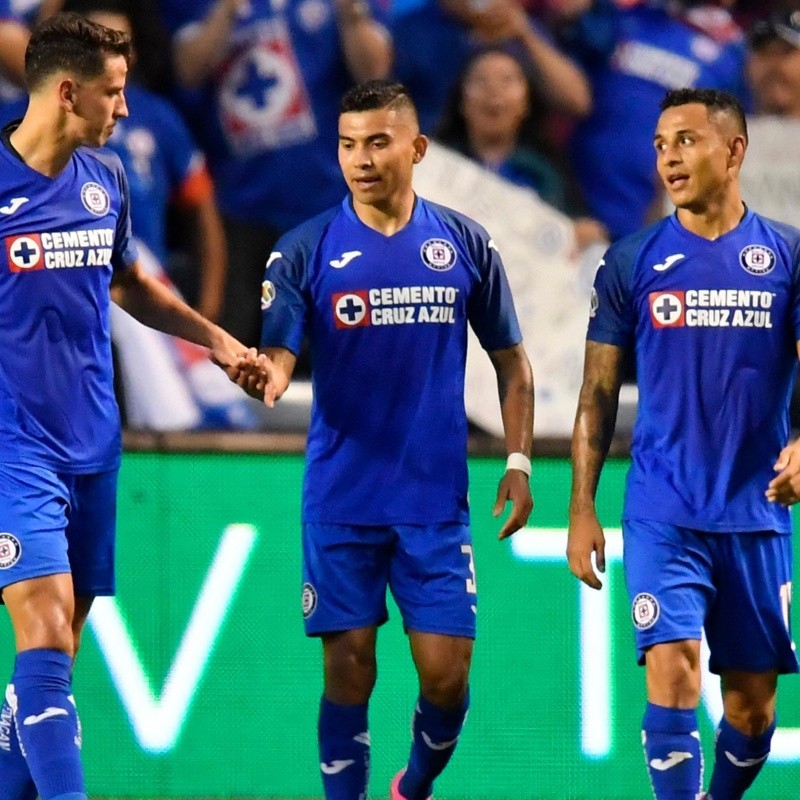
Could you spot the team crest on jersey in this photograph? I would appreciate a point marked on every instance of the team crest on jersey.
(267, 294)
(309, 600)
(95, 199)
(10, 550)
(757, 259)
(438, 255)
(25, 252)
(350, 309)
(645, 611)
(667, 309)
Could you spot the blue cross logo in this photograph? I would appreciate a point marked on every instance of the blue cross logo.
(255, 86)
(25, 253)
(666, 308)
(351, 309)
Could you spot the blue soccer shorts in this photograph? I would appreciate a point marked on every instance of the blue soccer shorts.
(736, 585)
(428, 568)
(52, 523)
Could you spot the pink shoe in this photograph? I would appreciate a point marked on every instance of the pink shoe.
(394, 789)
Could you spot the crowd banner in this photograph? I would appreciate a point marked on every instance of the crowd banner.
(550, 281)
(770, 177)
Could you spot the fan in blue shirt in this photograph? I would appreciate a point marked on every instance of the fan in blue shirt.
(709, 298)
(66, 238)
(384, 286)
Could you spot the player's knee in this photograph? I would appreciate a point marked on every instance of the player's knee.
(350, 674)
(444, 685)
(673, 675)
(51, 631)
(750, 721)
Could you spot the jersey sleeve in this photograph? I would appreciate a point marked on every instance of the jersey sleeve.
(490, 309)
(611, 319)
(284, 297)
(124, 252)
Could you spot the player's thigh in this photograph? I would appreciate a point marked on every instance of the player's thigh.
(668, 573)
(34, 504)
(748, 625)
(433, 579)
(91, 533)
(345, 573)
(443, 664)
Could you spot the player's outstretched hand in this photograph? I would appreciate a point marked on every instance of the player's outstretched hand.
(586, 537)
(514, 486)
(784, 488)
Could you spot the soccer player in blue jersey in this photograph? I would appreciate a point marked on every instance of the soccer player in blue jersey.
(710, 300)
(66, 237)
(384, 286)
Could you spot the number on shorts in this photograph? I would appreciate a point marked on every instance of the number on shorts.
(786, 604)
(466, 549)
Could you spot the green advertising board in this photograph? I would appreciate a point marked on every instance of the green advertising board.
(197, 680)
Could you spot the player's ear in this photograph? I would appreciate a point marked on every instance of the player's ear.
(736, 149)
(66, 93)
(420, 147)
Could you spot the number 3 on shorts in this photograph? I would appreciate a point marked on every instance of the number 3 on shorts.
(786, 602)
(466, 549)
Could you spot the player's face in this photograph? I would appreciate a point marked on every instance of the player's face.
(377, 153)
(98, 103)
(494, 100)
(697, 156)
(773, 71)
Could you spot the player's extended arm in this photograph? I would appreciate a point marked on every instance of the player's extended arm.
(784, 488)
(591, 438)
(515, 387)
(153, 304)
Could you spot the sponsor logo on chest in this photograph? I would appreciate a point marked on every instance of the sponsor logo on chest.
(395, 305)
(30, 252)
(711, 308)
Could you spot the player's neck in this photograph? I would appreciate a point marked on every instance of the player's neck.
(715, 218)
(387, 218)
(43, 145)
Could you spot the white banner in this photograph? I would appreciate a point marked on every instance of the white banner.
(770, 177)
(551, 287)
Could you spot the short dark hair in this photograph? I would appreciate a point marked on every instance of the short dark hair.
(71, 43)
(375, 94)
(716, 101)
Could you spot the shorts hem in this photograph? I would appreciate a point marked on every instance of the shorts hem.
(468, 633)
(350, 626)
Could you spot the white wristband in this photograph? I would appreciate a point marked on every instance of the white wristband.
(519, 461)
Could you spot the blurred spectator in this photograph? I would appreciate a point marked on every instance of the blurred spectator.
(633, 55)
(493, 116)
(270, 76)
(14, 36)
(773, 64)
(168, 383)
(435, 39)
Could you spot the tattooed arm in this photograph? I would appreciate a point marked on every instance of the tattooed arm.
(591, 438)
(515, 387)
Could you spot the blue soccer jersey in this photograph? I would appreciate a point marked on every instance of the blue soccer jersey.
(715, 326)
(61, 240)
(386, 318)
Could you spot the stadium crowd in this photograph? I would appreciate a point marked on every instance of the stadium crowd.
(231, 102)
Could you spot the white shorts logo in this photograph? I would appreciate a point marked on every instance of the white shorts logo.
(10, 550)
(95, 199)
(309, 600)
(645, 611)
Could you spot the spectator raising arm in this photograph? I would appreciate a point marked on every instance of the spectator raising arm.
(366, 44)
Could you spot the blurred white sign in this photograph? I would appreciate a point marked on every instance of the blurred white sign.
(551, 288)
